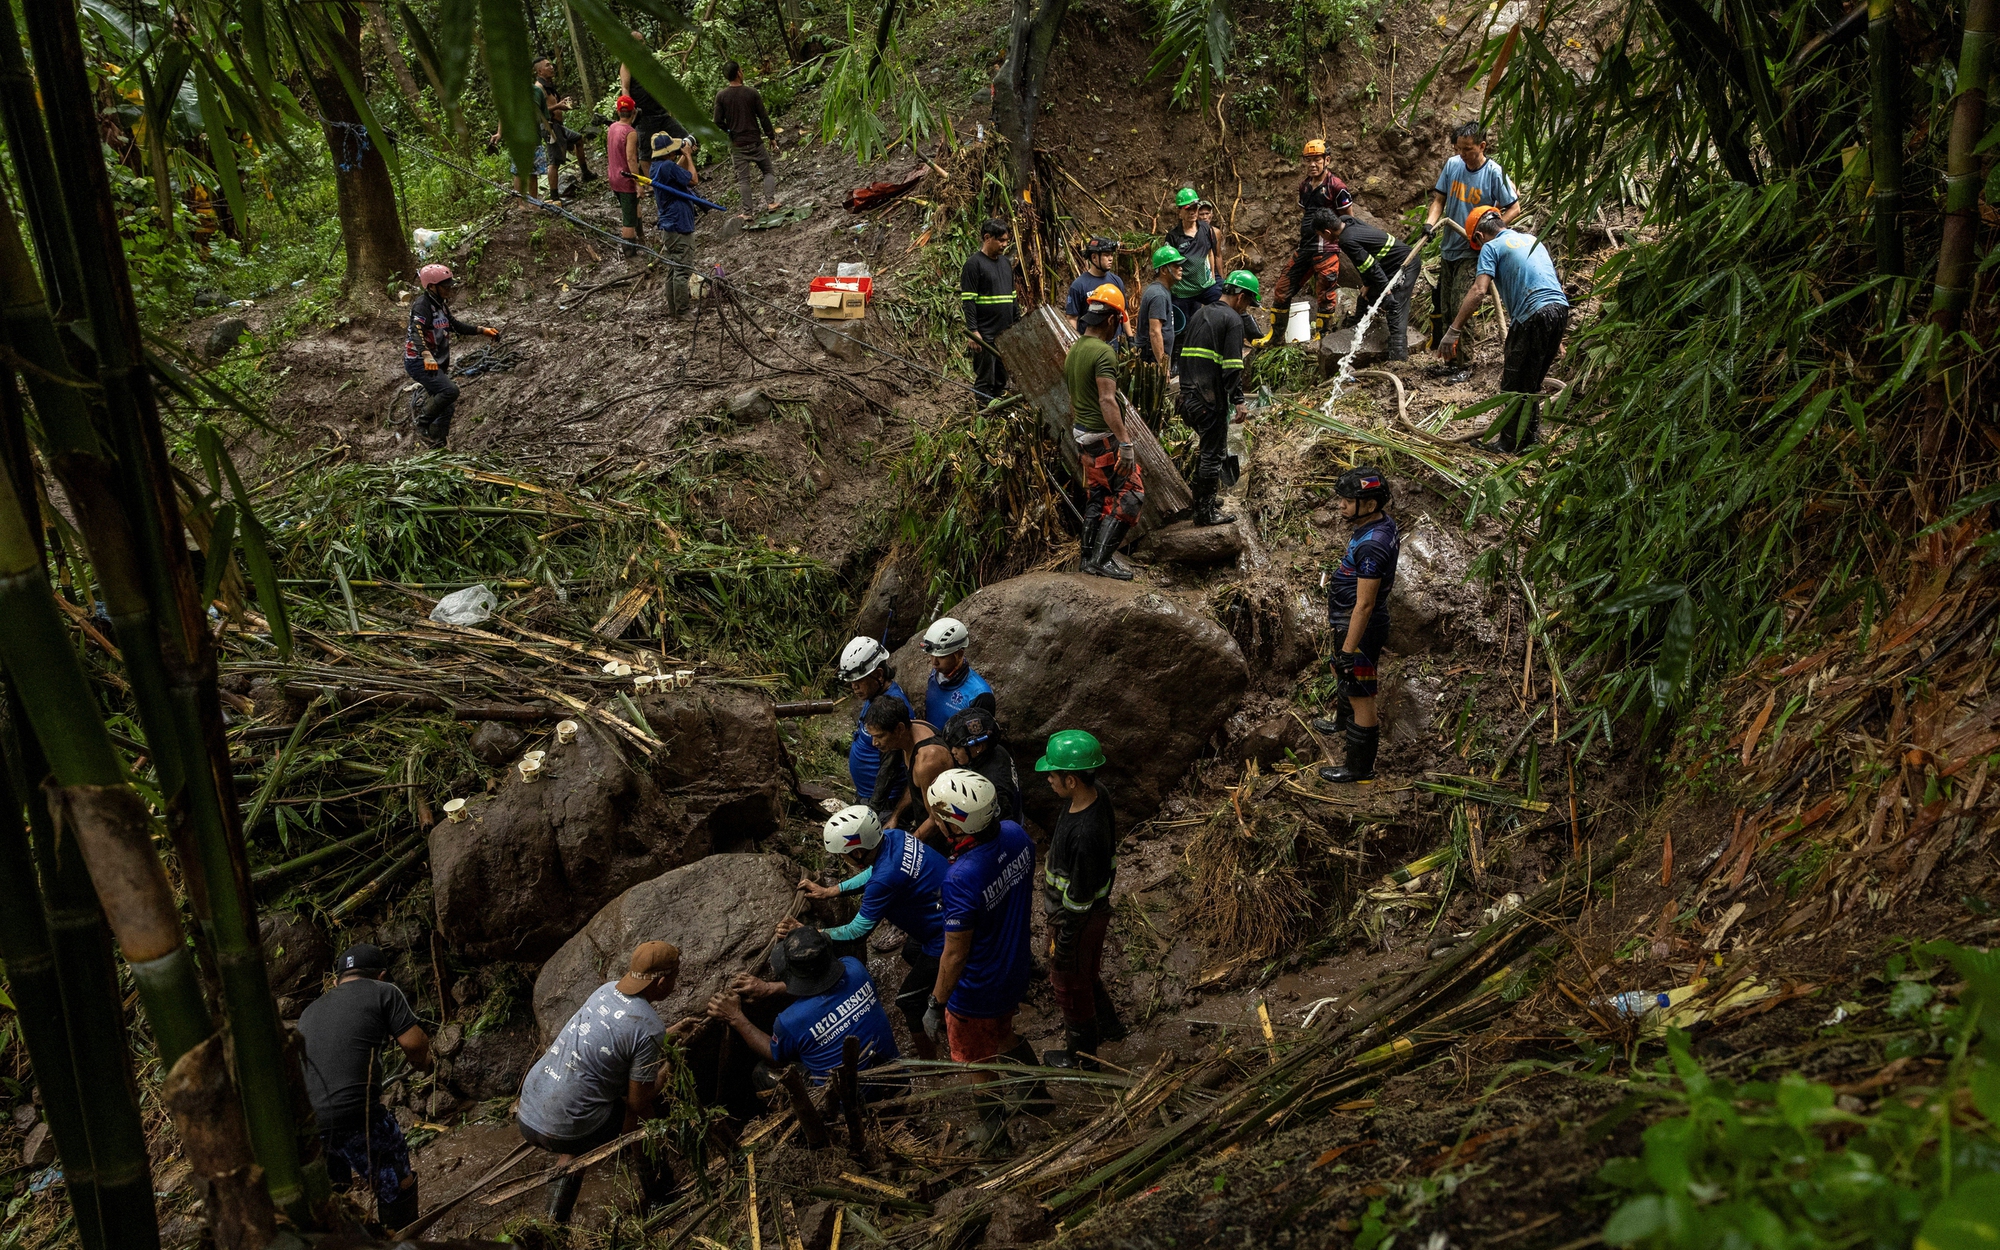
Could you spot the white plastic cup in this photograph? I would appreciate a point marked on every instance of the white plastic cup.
(684, 677)
(611, 668)
(454, 811)
(566, 731)
(643, 680)
(531, 770)
(537, 755)
(1299, 326)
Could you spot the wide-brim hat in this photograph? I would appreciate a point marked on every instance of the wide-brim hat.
(804, 961)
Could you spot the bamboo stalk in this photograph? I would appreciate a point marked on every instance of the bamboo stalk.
(209, 1119)
(368, 893)
(283, 761)
(810, 1122)
(756, 1226)
(1885, 134)
(292, 867)
(1957, 250)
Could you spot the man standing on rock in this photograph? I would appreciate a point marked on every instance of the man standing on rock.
(1076, 889)
(974, 738)
(920, 756)
(1378, 258)
(1212, 386)
(342, 1031)
(1319, 191)
(598, 1081)
(1469, 180)
(864, 666)
(1116, 490)
(1357, 611)
(739, 111)
(1156, 334)
(986, 292)
(954, 684)
(1537, 308)
(832, 1000)
(988, 892)
(900, 881)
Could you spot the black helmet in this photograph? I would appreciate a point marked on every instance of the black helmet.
(1363, 482)
(968, 729)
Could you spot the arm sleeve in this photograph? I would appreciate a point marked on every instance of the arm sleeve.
(782, 1050)
(858, 881)
(396, 1014)
(959, 906)
(1443, 186)
(986, 700)
(1074, 304)
(969, 291)
(1370, 558)
(1489, 262)
(416, 337)
(1089, 871)
(1232, 358)
(764, 118)
(1508, 198)
(645, 1059)
(874, 901)
(459, 327)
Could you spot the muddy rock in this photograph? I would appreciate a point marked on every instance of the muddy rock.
(720, 911)
(225, 336)
(1267, 740)
(39, 1150)
(296, 955)
(535, 861)
(1435, 607)
(496, 742)
(1184, 542)
(490, 1064)
(1151, 674)
(1408, 707)
(1336, 343)
(750, 405)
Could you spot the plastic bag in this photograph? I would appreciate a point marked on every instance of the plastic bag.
(427, 242)
(465, 607)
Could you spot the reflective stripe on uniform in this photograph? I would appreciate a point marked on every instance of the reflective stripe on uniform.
(1210, 354)
(985, 299)
(1060, 884)
(1381, 253)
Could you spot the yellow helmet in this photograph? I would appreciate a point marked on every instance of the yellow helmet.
(1315, 147)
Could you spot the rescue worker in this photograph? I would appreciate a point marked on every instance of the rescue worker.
(983, 975)
(1115, 489)
(1212, 386)
(1318, 189)
(1156, 331)
(1076, 893)
(919, 756)
(650, 116)
(342, 1031)
(986, 291)
(1200, 245)
(900, 880)
(954, 684)
(864, 666)
(1377, 258)
(427, 352)
(1357, 604)
(550, 109)
(1469, 180)
(740, 113)
(974, 738)
(1098, 255)
(833, 999)
(1537, 314)
(673, 171)
(599, 1078)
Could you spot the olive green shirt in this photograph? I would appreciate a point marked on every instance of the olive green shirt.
(1091, 359)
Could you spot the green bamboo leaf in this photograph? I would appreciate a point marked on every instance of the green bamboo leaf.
(221, 550)
(1968, 1220)
(257, 558)
(666, 88)
(510, 69)
(222, 147)
(1670, 668)
(208, 446)
(257, 42)
(1644, 597)
(1803, 424)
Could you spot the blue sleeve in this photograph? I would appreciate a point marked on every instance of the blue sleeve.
(1370, 558)
(1506, 198)
(960, 903)
(1443, 186)
(858, 881)
(782, 1049)
(1489, 259)
(1074, 305)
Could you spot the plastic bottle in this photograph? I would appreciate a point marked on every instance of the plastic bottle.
(1636, 1002)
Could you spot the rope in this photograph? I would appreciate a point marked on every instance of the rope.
(736, 290)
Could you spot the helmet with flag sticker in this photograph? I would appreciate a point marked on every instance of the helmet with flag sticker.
(855, 828)
(964, 800)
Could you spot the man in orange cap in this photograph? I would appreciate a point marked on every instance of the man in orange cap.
(1110, 462)
(597, 1081)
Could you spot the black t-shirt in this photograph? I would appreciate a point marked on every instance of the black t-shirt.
(1371, 553)
(997, 766)
(1083, 858)
(343, 1029)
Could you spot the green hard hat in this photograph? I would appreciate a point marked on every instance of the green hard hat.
(1186, 196)
(1167, 254)
(1071, 750)
(1244, 280)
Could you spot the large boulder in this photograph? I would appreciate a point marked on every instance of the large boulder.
(1151, 674)
(533, 862)
(720, 911)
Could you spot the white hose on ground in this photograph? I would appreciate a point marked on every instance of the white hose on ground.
(1403, 409)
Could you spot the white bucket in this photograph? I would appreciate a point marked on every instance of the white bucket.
(1299, 326)
(566, 730)
(454, 811)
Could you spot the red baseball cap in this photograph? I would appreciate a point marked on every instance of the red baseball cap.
(627, 102)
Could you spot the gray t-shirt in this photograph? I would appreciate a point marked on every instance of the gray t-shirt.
(1156, 303)
(578, 1082)
(1466, 189)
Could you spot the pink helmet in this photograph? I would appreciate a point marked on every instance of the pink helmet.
(431, 275)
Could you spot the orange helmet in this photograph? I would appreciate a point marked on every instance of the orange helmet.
(1315, 147)
(1472, 223)
(1106, 298)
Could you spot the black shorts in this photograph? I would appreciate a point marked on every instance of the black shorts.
(1360, 683)
(915, 995)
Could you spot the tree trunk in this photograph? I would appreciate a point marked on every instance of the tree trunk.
(1885, 134)
(583, 74)
(392, 51)
(369, 223)
(1017, 89)
(1956, 252)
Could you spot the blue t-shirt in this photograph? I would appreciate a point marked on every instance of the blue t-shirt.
(676, 214)
(1466, 189)
(1079, 298)
(1371, 553)
(946, 699)
(863, 760)
(812, 1030)
(988, 893)
(1520, 265)
(904, 885)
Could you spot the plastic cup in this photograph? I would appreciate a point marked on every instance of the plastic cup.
(531, 770)
(566, 731)
(454, 811)
(684, 677)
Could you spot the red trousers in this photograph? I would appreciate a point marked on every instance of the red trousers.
(1111, 493)
(1076, 965)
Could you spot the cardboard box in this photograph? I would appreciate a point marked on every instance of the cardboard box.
(837, 305)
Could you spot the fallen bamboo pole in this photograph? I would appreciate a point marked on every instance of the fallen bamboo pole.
(292, 867)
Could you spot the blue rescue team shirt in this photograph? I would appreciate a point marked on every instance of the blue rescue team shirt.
(1466, 189)
(1079, 299)
(943, 700)
(1520, 265)
(1371, 552)
(812, 1030)
(863, 760)
(988, 893)
(905, 885)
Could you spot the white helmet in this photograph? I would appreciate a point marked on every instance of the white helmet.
(860, 657)
(964, 799)
(946, 636)
(855, 828)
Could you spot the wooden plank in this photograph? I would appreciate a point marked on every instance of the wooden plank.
(1034, 349)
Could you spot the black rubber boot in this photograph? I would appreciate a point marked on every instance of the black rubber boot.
(434, 419)
(988, 1134)
(1109, 1026)
(402, 1212)
(1206, 510)
(1090, 528)
(1104, 558)
(1038, 1097)
(1362, 743)
(562, 1196)
(1338, 723)
(1079, 1049)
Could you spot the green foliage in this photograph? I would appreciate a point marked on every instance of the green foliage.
(1194, 35)
(971, 486)
(861, 84)
(1779, 1164)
